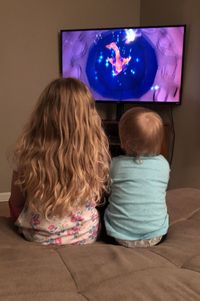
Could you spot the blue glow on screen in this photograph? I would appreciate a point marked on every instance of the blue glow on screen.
(141, 64)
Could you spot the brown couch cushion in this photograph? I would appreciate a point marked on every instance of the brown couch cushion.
(169, 271)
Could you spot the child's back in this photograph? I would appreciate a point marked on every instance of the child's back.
(79, 227)
(137, 211)
(62, 163)
(137, 208)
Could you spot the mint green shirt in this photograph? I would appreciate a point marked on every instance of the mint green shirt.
(137, 203)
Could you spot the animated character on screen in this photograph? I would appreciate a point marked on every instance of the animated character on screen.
(118, 62)
(121, 64)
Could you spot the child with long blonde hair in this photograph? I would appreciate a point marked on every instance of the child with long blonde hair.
(61, 167)
(137, 213)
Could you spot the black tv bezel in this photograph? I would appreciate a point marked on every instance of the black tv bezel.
(174, 103)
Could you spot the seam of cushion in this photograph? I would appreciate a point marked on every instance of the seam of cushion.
(194, 271)
(176, 265)
(35, 293)
(167, 259)
(123, 275)
(189, 260)
(184, 218)
(71, 274)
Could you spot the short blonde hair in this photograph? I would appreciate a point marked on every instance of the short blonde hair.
(62, 155)
(141, 132)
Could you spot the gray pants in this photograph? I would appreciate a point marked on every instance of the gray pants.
(145, 243)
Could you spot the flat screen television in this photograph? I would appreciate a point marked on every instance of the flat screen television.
(131, 64)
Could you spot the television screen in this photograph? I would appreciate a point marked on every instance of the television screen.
(142, 64)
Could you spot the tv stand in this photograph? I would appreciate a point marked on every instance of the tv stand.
(111, 129)
(119, 110)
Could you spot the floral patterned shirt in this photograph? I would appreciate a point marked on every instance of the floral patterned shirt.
(79, 227)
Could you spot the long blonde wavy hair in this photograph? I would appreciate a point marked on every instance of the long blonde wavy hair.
(62, 155)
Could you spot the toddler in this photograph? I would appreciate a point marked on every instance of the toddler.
(137, 214)
(61, 167)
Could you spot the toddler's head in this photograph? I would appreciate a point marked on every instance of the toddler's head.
(141, 132)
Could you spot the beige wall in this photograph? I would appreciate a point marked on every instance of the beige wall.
(29, 60)
(186, 159)
(29, 56)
